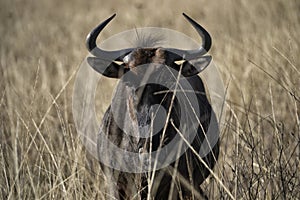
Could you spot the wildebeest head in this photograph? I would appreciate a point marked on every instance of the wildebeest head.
(115, 63)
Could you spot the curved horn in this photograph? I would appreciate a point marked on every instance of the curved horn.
(95, 50)
(204, 48)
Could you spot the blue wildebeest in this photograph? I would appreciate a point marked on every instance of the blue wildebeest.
(182, 177)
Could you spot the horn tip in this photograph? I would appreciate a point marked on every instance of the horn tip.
(113, 15)
(188, 18)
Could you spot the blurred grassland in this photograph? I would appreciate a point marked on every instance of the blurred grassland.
(255, 47)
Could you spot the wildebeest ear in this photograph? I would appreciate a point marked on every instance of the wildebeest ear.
(107, 68)
(193, 67)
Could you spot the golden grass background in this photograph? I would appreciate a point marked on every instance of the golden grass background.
(255, 47)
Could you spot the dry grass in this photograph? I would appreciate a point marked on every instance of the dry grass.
(255, 46)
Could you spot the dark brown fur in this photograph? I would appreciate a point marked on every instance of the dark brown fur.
(189, 166)
(182, 178)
